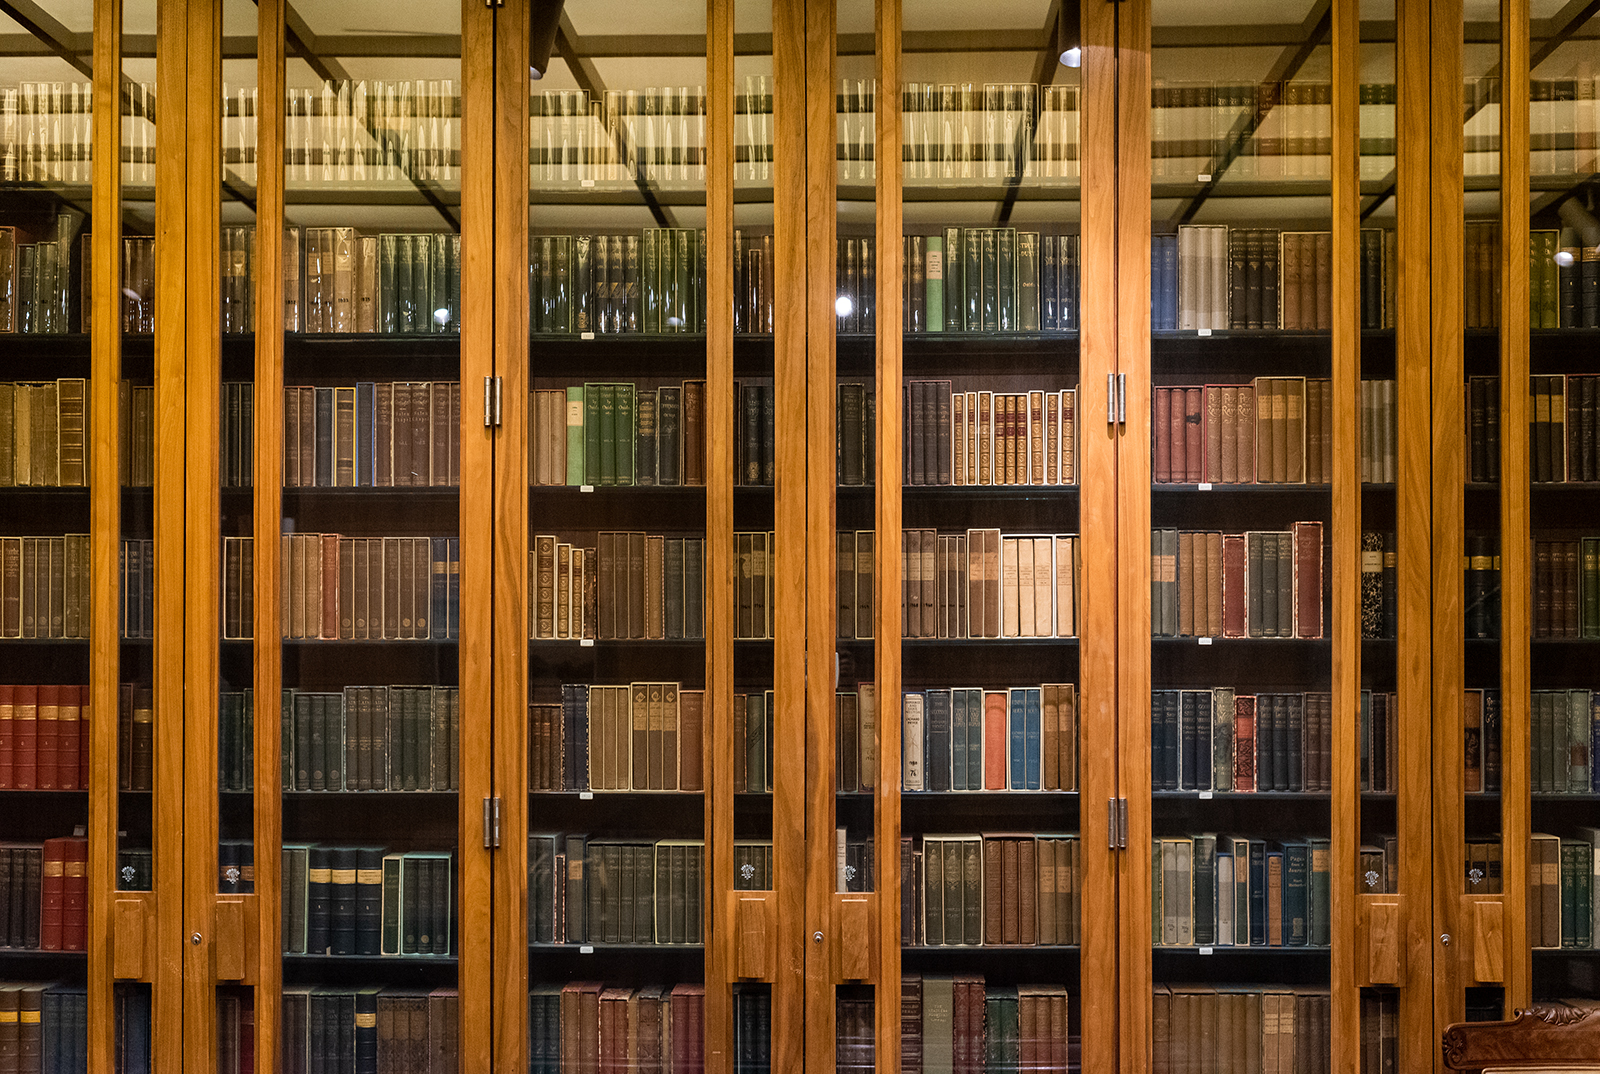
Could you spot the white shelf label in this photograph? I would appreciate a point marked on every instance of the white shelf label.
(1205, 486)
(1205, 796)
(588, 949)
(585, 796)
(1203, 177)
(586, 335)
(1203, 641)
(1203, 331)
(585, 488)
(1207, 950)
(586, 183)
(586, 643)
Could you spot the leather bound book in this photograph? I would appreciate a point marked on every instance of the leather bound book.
(25, 737)
(53, 895)
(1221, 445)
(1244, 742)
(1194, 457)
(1232, 569)
(1178, 435)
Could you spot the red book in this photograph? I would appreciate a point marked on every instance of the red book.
(53, 893)
(247, 1037)
(1244, 742)
(69, 737)
(25, 736)
(1194, 442)
(330, 585)
(1177, 438)
(1163, 462)
(83, 738)
(1307, 579)
(994, 740)
(75, 896)
(7, 742)
(680, 1041)
(1233, 592)
(47, 738)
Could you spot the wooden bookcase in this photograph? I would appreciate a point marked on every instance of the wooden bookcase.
(755, 153)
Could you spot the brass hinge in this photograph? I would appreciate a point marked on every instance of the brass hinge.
(491, 823)
(491, 402)
(1117, 823)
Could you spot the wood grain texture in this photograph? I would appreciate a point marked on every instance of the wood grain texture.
(474, 894)
(722, 935)
(1115, 520)
(1448, 337)
(1379, 939)
(789, 802)
(1515, 821)
(266, 488)
(818, 536)
(1540, 1036)
(886, 568)
(1413, 522)
(1345, 539)
(512, 214)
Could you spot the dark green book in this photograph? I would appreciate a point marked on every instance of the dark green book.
(607, 450)
(319, 896)
(1002, 1041)
(561, 249)
(413, 927)
(388, 307)
(644, 891)
(954, 881)
(1027, 281)
(439, 904)
(669, 436)
(438, 283)
(342, 930)
(1296, 879)
(693, 573)
(389, 937)
(933, 892)
(1205, 890)
(684, 261)
(1319, 900)
(632, 290)
(626, 432)
(995, 290)
(954, 290)
(439, 738)
(672, 602)
(972, 278)
(757, 777)
(317, 752)
(421, 282)
(650, 284)
(583, 284)
(453, 273)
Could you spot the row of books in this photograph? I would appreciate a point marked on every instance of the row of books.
(647, 135)
(236, 867)
(371, 738)
(1274, 430)
(1562, 889)
(46, 131)
(350, 588)
(1566, 586)
(384, 434)
(1205, 1028)
(976, 437)
(352, 131)
(586, 890)
(976, 584)
(138, 299)
(1260, 584)
(644, 736)
(1380, 866)
(345, 900)
(36, 277)
(1482, 587)
(406, 1030)
(44, 1028)
(1023, 738)
(587, 1026)
(42, 433)
(1380, 738)
(44, 586)
(1380, 576)
(1196, 128)
(653, 282)
(1562, 426)
(44, 894)
(1563, 274)
(967, 131)
(629, 585)
(1564, 732)
(1216, 891)
(753, 716)
(1224, 740)
(44, 740)
(610, 434)
(1480, 711)
(136, 590)
(965, 1023)
(966, 278)
(990, 890)
(388, 283)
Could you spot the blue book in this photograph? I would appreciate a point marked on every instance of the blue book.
(1033, 743)
(1203, 724)
(938, 738)
(1016, 727)
(1189, 742)
(959, 721)
(439, 566)
(366, 421)
(974, 739)
(1258, 893)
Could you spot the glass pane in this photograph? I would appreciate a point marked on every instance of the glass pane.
(45, 598)
(989, 854)
(1241, 714)
(369, 550)
(616, 520)
(1564, 254)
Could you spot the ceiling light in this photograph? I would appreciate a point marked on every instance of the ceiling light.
(1069, 35)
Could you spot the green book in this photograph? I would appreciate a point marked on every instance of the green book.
(935, 284)
(756, 745)
(404, 300)
(954, 295)
(1003, 1050)
(583, 319)
(561, 248)
(1577, 743)
(453, 270)
(1028, 281)
(1569, 894)
(953, 869)
(591, 433)
(933, 891)
(421, 283)
(650, 283)
(1549, 300)
(1591, 587)
(576, 438)
(992, 295)
(1005, 260)
(1583, 896)
(438, 283)
(972, 278)
(626, 432)
(608, 434)
(1318, 892)
(683, 279)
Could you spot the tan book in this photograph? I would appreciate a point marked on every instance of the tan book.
(1294, 427)
(985, 431)
(1043, 587)
(1020, 551)
(655, 587)
(1263, 390)
(958, 437)
(72, 403)
(23, 411)
(367, 284)
(1186, 571)
(1066, 578)
(1010, 576)
(991, 582)
(1213, 585)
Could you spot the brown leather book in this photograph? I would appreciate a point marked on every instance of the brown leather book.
(1010, 891)
(1178, 436)
(993, 892)
(691, 742)
(1214, 584)
(655, 587)
(1046, 897)
(639, 715)
(1313, 422)
(1324, 280)
(1186, 569)
(1028, 890)
(383, 433)
(322, 590)
(1067, 700)
(1289, 287)
(1161, 429)
(1216, 426)
(636, 585)
(1244, 431)
(1307, 580)
(1294, 428)
(1275, 900)
(1194, 450)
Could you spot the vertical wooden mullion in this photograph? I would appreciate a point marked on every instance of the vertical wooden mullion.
(1116, 571)
(1345, 1028)
(1515, 806)
(476, 529)
(887, 523)
(510, 535)
(267, 504)
(1446, 328)
(105, 525)
(789, 60)
(717, 747)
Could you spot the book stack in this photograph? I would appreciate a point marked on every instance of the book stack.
(949, 285)
(136, 426)
(1566, 588)
(754, 281)
(1480, 711)
(982, 584)
(645, 736)
(626, 585)
(987, 437)
(587, 890)
(1024, 738)
(1258, 130)
(44, 587)
(388, 283)
(857, 433)
(351, 588)
(46, 131)
(340, 900)
(856, 738)
(752, 742)
(855, 583)
(1225, 740)
(1260, 584)
(990, 890)
(236, 463)
(1380, 867)
(37, 295)
(651, 135)
(1217, 891)
(755, 561)
(1378, 432)
(1483, 588)
(1562, 427)
(134, 868)
(1274, 430)
(1483, 864)
(236, 867)
(1380, 565)
(1380, 730)
(384, 435)
(962, 1022)
(752, 865)
(603, 435)
(856, 278)
(399, 1029)
(380, 131)
(997, 130)
(371, 738)
(136, 588)
(44, 738)
(756, 461)
(1561, 890)
(587, 1026)
(1565, 727)
(44, 895)
(42, 433)
(135, 737)
(1232, 1027)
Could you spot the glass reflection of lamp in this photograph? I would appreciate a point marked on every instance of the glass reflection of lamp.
(544, 19)
(1069, 35)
